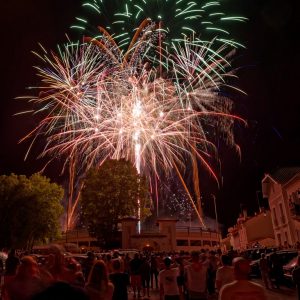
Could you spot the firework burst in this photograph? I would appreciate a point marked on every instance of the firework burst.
(146, 104)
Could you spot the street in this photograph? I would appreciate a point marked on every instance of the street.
(276, 294)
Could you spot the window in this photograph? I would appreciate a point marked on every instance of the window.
(206, 243)
(196, 243)
(275, 217)
(182, 242)
(281, 213)
(279, 239)
(82, 243)
(286, 237)
(94, 244)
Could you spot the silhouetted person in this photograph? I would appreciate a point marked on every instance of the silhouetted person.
(135, 275)
(11, 263)
(225, 273)
(168, 282)
(154, 271)
(196, 277)
(145, 275)
(120, 280)
(98, 286)
(276, 270)
(242, 287)
(87, 264)
(265, 271)
(26, 283)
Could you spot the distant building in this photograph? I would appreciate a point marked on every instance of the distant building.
(168, 236)
(254, 231)
(282, 188)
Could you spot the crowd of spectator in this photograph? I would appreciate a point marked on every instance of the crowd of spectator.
(197, 276)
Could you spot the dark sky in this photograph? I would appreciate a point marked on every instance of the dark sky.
(269, 73)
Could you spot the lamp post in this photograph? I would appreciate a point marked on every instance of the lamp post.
(217, 221)
(258, 202)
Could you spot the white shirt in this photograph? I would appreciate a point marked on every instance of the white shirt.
(242, 290)
(168, 279)
(196, 275)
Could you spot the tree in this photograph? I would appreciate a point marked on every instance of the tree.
(111, 193)
(29, 210)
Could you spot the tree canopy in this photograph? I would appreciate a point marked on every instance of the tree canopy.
(111, 193)
(29, 210)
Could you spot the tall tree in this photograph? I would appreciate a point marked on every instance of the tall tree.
(111, 193)
(29, 210)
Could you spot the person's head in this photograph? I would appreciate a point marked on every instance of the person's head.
(136, 256)
(98, 274)
(116, 254)
(195, 256)
(116, 265)
(12, 252)
(241, 268)
(58, 252)
(226, 260)
(167, 261)
(28, 267)
(90, 255)
(263, 255)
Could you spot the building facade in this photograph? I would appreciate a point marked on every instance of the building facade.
(252, 231)
(282, 188)
(167, 236)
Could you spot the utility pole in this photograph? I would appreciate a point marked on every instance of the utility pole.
(258, 202)
(217, 220)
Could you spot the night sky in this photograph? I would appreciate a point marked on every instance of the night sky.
(268, 72)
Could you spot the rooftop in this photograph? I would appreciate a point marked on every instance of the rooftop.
(283, 175)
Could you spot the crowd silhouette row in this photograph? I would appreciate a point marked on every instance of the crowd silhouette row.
(197, 276)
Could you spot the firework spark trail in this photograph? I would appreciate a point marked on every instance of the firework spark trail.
(99, 102)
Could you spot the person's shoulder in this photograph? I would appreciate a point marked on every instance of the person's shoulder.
(221, 269)
(110, 285)
(245, 285)
(230, 285)
(226, 290)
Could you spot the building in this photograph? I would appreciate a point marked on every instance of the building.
(251, 231)
(168, 236)
(282, 188)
